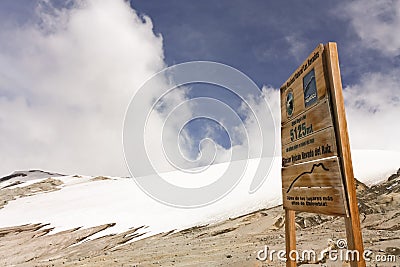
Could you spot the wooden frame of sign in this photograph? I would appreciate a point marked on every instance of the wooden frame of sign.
(317, 172)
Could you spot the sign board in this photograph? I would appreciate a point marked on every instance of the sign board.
(317, 174)
(308, 134)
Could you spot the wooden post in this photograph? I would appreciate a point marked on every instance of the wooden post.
(352, 222)
(290, 236)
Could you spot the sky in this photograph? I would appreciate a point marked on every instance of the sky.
(68, 70)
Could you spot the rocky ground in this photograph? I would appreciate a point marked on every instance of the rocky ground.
(234, 242)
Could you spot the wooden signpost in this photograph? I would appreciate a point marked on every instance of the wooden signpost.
(317, 172)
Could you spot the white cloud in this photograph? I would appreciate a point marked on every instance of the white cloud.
(376, 23)
(246, 138)
(297, 46)
(65, 85)
(373, 111)
(252, 113)
(372, 103)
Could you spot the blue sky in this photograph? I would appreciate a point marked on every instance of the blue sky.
(265, 39)
(69, 68)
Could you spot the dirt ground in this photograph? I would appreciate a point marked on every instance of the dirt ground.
(234, 242)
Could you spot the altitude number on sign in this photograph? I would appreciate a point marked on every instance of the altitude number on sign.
(300, 131)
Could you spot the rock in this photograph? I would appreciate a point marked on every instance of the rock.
(11, 193)
(304, 220)
(360, 186)
(99, 178)
(393, 176)
(392, 251)
(364, 208)
(279, 221)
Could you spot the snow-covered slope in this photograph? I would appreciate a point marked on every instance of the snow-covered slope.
(83, 201)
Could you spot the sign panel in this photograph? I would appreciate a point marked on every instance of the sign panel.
(315, 186)
(316, 146)
(308, 138)
(318, 118)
